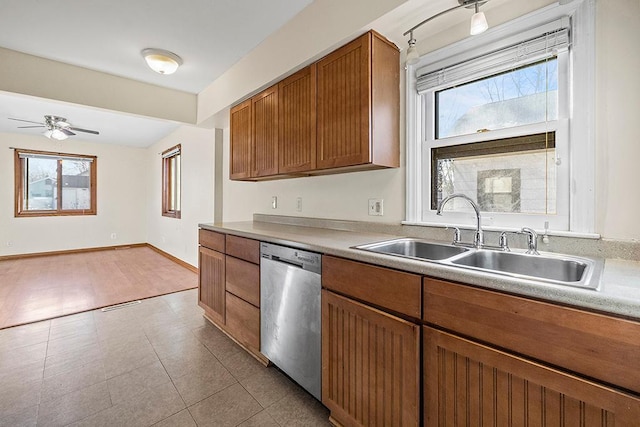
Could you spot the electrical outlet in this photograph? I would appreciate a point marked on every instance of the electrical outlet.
(299, 204)
(113, 236)
(376, 207)
(274, 202)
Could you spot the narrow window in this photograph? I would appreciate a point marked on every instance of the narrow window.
(51, 184)
(171, 182)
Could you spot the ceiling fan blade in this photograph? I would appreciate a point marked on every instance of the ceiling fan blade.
(27, 127)
(95, 132)
(28, 121)
(66, 131)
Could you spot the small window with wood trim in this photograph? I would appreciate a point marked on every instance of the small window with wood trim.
(51, 184)
(171, 190)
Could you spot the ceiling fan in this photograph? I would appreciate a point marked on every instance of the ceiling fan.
(57, 127)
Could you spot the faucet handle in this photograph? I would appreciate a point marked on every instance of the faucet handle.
(532, 240)
(503, 242)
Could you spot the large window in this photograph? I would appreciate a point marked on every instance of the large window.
(49, 184)
(498, 118)
(171, 182)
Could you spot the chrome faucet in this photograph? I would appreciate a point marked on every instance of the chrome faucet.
(532, 240)
(478, 239)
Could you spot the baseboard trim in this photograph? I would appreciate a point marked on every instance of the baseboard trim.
(72, 251)
(173, 258)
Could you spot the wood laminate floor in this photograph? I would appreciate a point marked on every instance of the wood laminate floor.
(39, 288)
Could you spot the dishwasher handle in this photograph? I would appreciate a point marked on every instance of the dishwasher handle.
(284, 261)
(305, 260)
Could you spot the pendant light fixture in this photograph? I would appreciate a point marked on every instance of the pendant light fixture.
(478, 22)
(412, 52)
(478, 25)
(161, 61)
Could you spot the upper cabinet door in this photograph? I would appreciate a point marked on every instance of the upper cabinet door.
(241, 141)
(297, 127)
(344, 101)
(265, 133)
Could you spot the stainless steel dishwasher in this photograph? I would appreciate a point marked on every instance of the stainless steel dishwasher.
(290, 313)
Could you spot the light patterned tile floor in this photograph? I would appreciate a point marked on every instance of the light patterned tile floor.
(155, 363)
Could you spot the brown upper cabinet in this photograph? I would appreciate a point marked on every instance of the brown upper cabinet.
(241, 141)
(339, 114)
(358, 104)
(297, 130)
(264, 155)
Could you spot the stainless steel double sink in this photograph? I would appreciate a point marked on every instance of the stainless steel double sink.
(550, 268)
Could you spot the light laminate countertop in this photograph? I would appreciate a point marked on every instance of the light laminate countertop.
(618, 291)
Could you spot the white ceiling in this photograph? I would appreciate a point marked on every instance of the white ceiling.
(108, 35)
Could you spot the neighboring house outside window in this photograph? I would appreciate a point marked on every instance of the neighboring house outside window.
(171, 189)
(54, 184)
(494, 117)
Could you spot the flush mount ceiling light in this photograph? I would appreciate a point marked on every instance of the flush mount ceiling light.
(478, 25)
(161, 61)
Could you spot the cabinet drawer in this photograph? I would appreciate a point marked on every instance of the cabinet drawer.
(243, 280)
(595, 345)
(211, 239)
(243, 321)
(395, 290)
(243, 248)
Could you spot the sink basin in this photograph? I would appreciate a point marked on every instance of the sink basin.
(562, 270)
(414, 248)
(558, 269)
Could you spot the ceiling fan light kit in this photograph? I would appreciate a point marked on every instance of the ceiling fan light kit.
(478, 25)
(56, 134)
(57, 127)
(161, 61)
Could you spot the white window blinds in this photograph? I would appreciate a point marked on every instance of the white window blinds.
(534, 45)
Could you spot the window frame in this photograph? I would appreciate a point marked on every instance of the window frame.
(19, 170)
(167, 195)
(575, 124)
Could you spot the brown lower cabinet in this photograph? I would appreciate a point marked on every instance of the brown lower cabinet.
(229, 288)
(400, 350)
(211, 292)
(469, 384)
(370, 365)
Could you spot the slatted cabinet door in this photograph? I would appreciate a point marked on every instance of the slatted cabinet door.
(241, 141)
(370, 365)
(358, 104)
(297, 121)
(343, 105)
(264, 159)
(469, 384)
(212, 283)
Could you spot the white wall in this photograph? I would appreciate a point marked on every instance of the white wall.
(617, 123)
(179, 237)
(344, 196)
(22, 73)
(120, 191)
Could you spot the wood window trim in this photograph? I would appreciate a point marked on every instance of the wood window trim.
(166, 183)
(19, 164)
